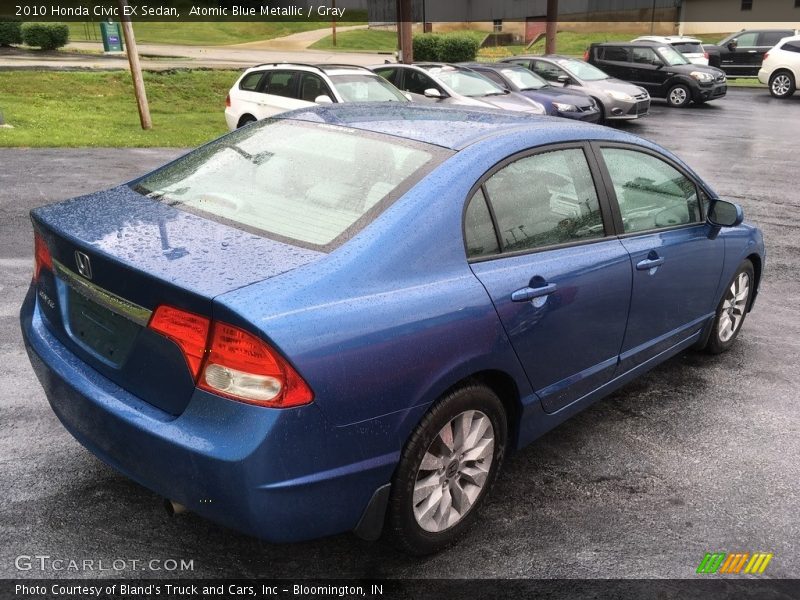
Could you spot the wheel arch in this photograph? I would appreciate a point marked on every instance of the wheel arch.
(245, 118)
(758, 267)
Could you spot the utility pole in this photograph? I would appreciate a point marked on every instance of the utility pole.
(136, 68)
(404, 23)
(552, 27)
(333, 23)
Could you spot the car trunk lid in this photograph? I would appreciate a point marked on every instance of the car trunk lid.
(117, 256)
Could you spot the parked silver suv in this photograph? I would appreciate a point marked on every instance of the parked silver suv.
(617, 99)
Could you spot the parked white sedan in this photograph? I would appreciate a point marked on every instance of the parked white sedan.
(781, 67)
(270, 89)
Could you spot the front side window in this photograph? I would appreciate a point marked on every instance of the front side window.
(417, 83)
(545, 199)
(645, 56)
(615, 53)
(547, 71)
(389, 74)
(746, 40)
(651, 194)
(308, 184)
(312, 86)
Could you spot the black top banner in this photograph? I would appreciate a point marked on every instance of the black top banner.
(385, 11)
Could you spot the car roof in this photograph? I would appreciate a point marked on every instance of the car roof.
(450, 127)
(318, 67)
(494, 65)
(667, 39)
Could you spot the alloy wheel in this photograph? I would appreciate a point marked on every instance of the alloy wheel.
(781, 85)
(453, 471)
(677, 96)
(734, 307)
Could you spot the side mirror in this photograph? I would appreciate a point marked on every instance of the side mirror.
(732, 45)
(564, 79)
(433, 93)
(323, 99)
(408, 96)
(722, 213)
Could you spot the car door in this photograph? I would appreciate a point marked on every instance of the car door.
(312, 86)
(740, 59)
(648, 70)
(280, 93)
(675, 262)
(536, 238)
(616, 61)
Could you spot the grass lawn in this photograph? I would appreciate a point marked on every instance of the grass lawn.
(190, 33)
(73, 109)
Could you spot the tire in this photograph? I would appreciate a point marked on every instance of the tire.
(602, 108)
(438, 472)
(782, 84)
(246, 120)
(732, 310)
(679, 95)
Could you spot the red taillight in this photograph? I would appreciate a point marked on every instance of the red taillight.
(766, 54)
(243, 367)
(586, 55)
(231, 362)
(41, 254)
(228, 101)
(188, 330)
(706, 55)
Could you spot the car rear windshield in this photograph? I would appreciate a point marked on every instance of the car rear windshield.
(688, 47)
(308, 184)
(366, 88)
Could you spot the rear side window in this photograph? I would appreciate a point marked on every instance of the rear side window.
(282, 83)
(478, 228)
(312, 185)
(791, 47)
(251, 81)
(545, 199)
(615, 53)
(651, 194)
(770, 38)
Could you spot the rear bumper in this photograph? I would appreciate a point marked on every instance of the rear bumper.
(282, 475)
(763, 75)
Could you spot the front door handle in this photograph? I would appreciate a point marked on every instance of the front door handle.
(529, 293)
(652, 261)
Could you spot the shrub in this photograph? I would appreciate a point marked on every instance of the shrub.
(458, 48)
(426, 47)
(47, 36)
(10, 31)
(445, 48)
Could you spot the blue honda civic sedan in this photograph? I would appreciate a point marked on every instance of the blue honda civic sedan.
(343, 319)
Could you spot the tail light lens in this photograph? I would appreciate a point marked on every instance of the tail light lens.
(228, 101)
(706, 55)
(243, 367)
(766, 54)
(41, 255)
(231, 362)
(586, 55)
(188, 330)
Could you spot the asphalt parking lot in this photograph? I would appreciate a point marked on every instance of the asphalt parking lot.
(702, 454)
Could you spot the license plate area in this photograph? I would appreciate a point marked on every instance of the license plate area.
(102, 331)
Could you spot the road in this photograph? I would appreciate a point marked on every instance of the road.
(702, 454)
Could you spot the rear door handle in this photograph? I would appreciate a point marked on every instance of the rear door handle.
(529, 293)
(649, 263)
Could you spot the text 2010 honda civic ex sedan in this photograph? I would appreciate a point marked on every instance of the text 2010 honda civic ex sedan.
(344, 318)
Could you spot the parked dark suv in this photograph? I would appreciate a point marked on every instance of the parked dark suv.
(741, 53)
(661, 70)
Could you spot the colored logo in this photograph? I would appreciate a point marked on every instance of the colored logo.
(735, 562)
